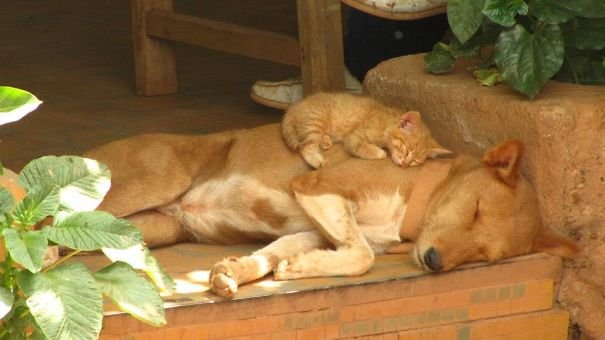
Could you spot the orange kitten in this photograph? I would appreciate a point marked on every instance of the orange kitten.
(365, 127)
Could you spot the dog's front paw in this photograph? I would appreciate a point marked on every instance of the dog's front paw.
(281, 271)
(221, 279)
(288, 270)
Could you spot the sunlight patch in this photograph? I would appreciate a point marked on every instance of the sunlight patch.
(198, 275)
(188, 287)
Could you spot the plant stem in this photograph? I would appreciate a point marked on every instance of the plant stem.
(573, 71)
(9, 274)
(63, 259)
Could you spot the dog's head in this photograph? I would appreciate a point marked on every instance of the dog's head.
(485, 211)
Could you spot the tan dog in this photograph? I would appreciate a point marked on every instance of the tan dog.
(246, 185)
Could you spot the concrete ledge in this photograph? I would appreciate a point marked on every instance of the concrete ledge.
(564, 132)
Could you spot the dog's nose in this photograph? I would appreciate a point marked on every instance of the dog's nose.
(432, 259)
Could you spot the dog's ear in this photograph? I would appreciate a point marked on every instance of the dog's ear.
(550, 242)
(504, 161)
(409, 120)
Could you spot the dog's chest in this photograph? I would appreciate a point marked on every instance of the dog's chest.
(380, 218)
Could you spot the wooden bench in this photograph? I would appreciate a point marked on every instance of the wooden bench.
(318, 51)
(156, 25)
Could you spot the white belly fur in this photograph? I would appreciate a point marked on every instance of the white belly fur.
(228, 202)
(220, 203)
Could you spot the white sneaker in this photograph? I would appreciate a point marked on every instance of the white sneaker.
(280, 94)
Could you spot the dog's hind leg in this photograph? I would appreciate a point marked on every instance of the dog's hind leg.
(152, 170)
(226, 275)
(158, 229)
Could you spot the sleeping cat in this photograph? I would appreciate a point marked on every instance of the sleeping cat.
(364, 126)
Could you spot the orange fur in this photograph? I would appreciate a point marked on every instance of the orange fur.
(241, 185)
(365, 127)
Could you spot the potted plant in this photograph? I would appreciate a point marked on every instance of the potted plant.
(526, 43)
(64, 299)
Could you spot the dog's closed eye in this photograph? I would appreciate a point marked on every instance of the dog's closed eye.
(476, 215)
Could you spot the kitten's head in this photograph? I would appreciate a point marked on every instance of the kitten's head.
(411, 143)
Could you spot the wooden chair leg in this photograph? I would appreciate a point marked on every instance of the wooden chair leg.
(320, 36)
(155, 66)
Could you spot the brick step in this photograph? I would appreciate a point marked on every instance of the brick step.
(382, 317)
(394, 297)
(547, 325)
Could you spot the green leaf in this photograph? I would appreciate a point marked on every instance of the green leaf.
(132, 293)
(139, 257)
(440, 59)
(526, 61)
(15, 104)
(6, 301)
(504, 12)
(27, 250)
(19, 322)
(7, 202)
(83, 182)
(41, 201)
(66, 302)
(559, 11)
(487, 77)
(582, 67)
(585, 33)
(469, 49)
(465, 17)
(92, 230)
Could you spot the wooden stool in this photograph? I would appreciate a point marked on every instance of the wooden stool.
(155, 25)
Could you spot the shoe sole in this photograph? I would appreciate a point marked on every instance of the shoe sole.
(395, 15)
(268, 102)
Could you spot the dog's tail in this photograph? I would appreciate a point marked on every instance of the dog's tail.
(152, 170)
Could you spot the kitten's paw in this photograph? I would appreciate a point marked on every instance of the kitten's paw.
(315, 160)
(374, 153)
(380, 154)
(370, 151)
(325, 143)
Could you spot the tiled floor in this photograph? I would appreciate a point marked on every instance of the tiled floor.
(76, 56)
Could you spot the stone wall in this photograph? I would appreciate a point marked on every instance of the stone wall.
(564, 132)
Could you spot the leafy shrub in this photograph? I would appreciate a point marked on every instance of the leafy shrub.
(65, 300)
(526, 43)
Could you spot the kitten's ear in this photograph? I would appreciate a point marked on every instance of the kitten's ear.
(409, 120)
(438, 152)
